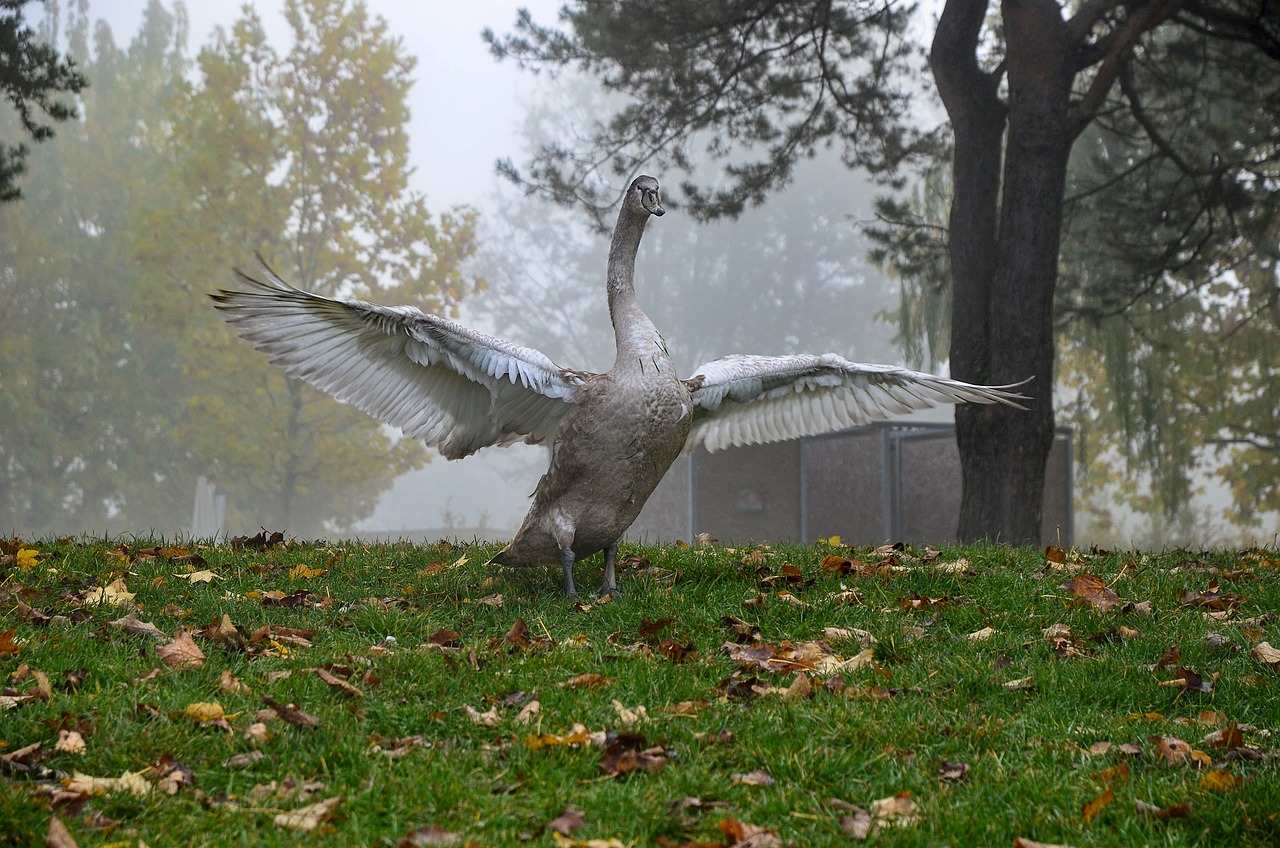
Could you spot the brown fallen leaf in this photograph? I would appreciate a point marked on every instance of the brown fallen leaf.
(586, 680)
(232, 685)
(429, 835)
(1267, 655)
(70, 742)
(856, 824)
(568, 821)
(182, 652)
(1019, 842)
(1091, 590)
(953, 772)
(895, 811)
(58, 836)
(1177, 811)
(1091, 809)
(486, 719)
(290, 713)
(759, 777)
(309, 817)
(742, 835)
(339, 685)
(131, 625)
(1215, 780)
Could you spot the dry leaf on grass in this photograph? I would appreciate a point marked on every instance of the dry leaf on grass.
(1091, 809)
(58, 836)
(131, 625)
(486, 719)
(1265, 654)
(1177, 811)
(895, 811)
(1091, 590)
(182, 652)
(429, 835)
(339, 685)
(291, 714)
(309, 817)
(568, 821)
(132, 782)
(759, 777)
(1019, 842)
(70, 742)
(115, 593)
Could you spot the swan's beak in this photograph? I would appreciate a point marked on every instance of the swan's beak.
(651, 202)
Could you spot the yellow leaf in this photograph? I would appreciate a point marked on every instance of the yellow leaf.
(204, 711)
(114, 593)
(198, 577)
(1219, 781)
(26, 558)
(302, 572)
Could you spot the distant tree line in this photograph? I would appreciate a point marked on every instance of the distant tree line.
(120, 386)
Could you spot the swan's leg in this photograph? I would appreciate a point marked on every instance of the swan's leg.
(609, 586)
(566, 562)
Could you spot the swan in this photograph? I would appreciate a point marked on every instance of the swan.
(613, 435)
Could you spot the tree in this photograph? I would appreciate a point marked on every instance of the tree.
(760, 84)
(82, 400)
(302, 157)
(32, 75)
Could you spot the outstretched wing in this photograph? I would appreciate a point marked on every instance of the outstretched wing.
(749, 400)
(454, 388)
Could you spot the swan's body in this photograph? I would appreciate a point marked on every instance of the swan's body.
(613, 435)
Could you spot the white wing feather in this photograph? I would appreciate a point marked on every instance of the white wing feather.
(456, 389)
(747, 400)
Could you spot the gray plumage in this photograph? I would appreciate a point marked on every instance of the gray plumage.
(613, 435)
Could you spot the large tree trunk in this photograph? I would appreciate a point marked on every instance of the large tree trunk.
(1004, 278)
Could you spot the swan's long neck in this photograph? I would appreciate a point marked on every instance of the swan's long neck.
(637, 338)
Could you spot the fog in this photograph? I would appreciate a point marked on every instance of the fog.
(789, 276)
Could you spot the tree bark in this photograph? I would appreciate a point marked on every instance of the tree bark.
(1004, 276)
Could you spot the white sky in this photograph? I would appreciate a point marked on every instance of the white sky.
(464, 105)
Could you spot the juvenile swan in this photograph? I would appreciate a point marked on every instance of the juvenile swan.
(613, 435)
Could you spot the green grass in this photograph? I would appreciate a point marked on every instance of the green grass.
(931, 695)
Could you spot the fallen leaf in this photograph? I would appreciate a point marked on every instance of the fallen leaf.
(58, 836)
(131, 625)
(1019, 842)
(70, 742)
(856, 824)
(114, 593)
(953, 772)
(628, 717)
(1215, 780)
(338, 684)
(429, 835)
(759, 777)
(205, 576)
(291, 714)
(1090, 589)
(568, 821)
(486, 719)
(586, 680)
(232, 685)
(981, 635)
(742, 835)
(182, 652)
(1177, 811)
(132, 782)
(1265, 654)
(310, 817)
(302, 571)
(1092, 808)
(895, 811)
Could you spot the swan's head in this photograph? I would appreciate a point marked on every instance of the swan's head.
(643, 194)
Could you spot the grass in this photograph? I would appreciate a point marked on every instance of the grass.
(413, 749)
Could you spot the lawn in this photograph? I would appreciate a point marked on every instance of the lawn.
(290, 693)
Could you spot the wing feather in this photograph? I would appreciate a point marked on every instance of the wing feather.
(454, 388)
(745, 400)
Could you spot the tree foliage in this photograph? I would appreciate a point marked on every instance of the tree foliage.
(121, 384)
(762, 84)
(32, 75)
(303, 158)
